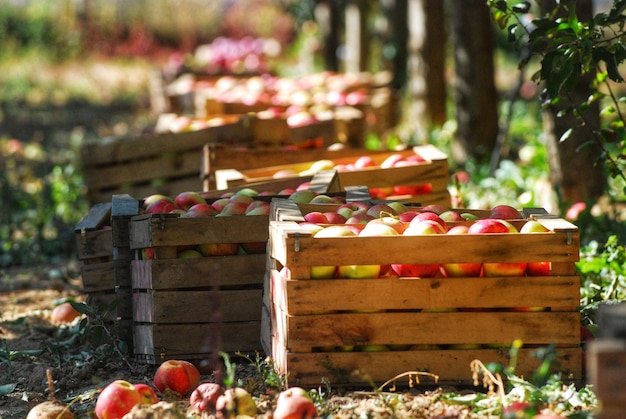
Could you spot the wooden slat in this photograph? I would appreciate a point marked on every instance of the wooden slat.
(452, 366)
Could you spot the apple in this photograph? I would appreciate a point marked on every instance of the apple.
(233, 208)
(117, 399)
(262, 209)
(504, 212)
(493, 269)
(426, 226)
(303, 196)
(247, 192)
(398, 207)
(146, 394)
(322, 199)
(161, 206)
(407, 216)
(304, 186)
(335, 218)
(468, 216)
(186, 200)
(294, 403)
(235, 402)
(219, 204)
(328, 271)
(380, 210)
(436, 208)
(509, 226)
(50, 410)
(536, 268)
(206, 209)
(316, 217)
(359, 217)
(391, 160)
(419, 270)
(179, 376)
(64, 313)
(373, 348)
(286, 191)
(451, 215)
(391, 222)
(204, 397)
(218, 249)
(363, 162)
(487, 225)
(151, 199)
(189, 254)
(422, 216)
(456, 270)
(575, 210)
(349, 208)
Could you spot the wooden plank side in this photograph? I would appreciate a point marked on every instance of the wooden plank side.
(94, 244)
(206, 306)
(98, 277)
(198, 341)
(220, 271)
(391, 328)
(452, 366)
(165, 166)
(98, 216)
(173, 231)
(107, 152)
(538, 247)
(306, 296)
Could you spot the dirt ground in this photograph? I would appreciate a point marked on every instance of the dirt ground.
(30, 345)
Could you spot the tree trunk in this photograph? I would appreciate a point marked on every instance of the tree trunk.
(576, 174)
(426, 63)
(328, 17)
(476, 96)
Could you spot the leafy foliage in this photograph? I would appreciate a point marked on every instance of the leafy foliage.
(569, 51)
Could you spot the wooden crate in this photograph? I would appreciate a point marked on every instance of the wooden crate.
(164, 163)
(431, 177)
(191, 308)
(94, 249)
(218, 157)
(438, 325)
(606, 363)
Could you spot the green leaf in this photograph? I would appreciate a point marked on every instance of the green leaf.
(608, 110)
(522, 7)
(566, 135)
(7, 389)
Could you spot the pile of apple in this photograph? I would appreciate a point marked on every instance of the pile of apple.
(366, 162)
(179, 380)
(397, 219)
(191, 204)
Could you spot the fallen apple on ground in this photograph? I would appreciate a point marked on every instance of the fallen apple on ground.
(204, 397)
(179, 376)
(235, 402)
(117, 399)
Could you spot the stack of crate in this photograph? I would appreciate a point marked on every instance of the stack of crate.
(334, 329)
(425, 182)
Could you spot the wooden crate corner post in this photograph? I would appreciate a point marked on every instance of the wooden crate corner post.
(123, 208)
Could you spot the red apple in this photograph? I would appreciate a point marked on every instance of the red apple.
(487, 225)
(294, 404)
(117, 399)
(233, 208)
(391, 161)
(422, 270)
(186, 200)
(422, 216)
(363, 162)
(219, 249)
(407, 216)
(219, 204)
(179, 376)
(204, 397)
(161, 206)
(151, 199)
(258, 208)
(455, 270)
(146, 394)
(200, 210)
(536, 268)
(505, 212)
(335, 218)
(436, 208)
(316, 217)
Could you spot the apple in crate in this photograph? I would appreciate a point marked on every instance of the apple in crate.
(419, 270)
(179, 376)
(455, 270)
(161, 206)
(186, 200)
(429, 216)
(491, 269)
(504, 212)
(536, 268)
(380, 210)
(328, 271)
